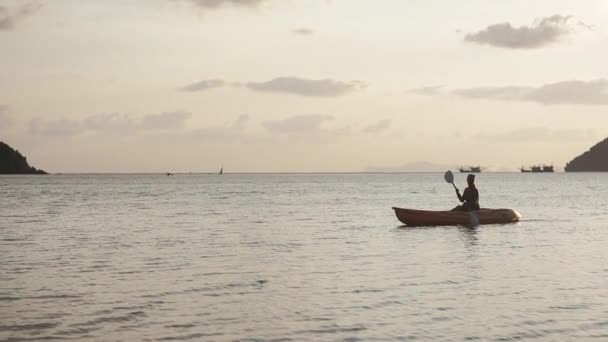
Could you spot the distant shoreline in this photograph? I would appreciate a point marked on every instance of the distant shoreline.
(279, 173)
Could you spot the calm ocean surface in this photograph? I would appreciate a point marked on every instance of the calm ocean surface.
(299, 257)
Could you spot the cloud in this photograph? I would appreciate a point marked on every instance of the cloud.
(593, 92)
(541, 33)
(9, 20)
(498, 93)
(212, 4)
(55, 127)
(303, 31)
(203, 85)
(586, 26)
(537, 134)
(113, 123)
(6, 22)
(211, 135)
(304, 129)
(297, 124)
(110, 123)
(432, 90)
(289, 85)
(378, 127)
(167, 120)
(307, 87)
(241, 122)
(575, 92)
(6, 120)
(228, 133)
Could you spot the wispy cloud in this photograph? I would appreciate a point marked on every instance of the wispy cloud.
(303, 31)
(498, 93)
(538, 134)
(166, 120)
(241, 122)
(288, 85)
(297, 123)
(9, 19)
(378, 127)
(593, 92)
(55, 127)
(111, 124)
(203, 85)
(6, 120)
(431, 90)
(304, 128)
(212, 4)
(541, 33)
(229, 133)
(307, 87)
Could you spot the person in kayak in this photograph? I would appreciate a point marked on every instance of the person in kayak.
(470, 197)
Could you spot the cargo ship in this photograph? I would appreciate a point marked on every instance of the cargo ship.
(538, 168)
(471, 169)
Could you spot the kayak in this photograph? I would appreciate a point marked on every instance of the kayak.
(412, 217)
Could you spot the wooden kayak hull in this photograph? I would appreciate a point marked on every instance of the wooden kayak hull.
(412, 217)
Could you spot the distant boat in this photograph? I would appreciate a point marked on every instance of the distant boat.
(538, 168)
(221, 171)
(169, 174)
(471, 169)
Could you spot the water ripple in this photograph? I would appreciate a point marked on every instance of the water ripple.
(298, 258)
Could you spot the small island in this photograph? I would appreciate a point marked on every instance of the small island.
(13, 162)
(594, 160)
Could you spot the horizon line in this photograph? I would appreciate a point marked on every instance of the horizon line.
(269, 173)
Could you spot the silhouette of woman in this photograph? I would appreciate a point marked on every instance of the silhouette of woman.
(470, 197)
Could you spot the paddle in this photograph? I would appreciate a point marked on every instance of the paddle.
(449, 177)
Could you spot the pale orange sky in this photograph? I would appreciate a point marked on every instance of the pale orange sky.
(301, 85)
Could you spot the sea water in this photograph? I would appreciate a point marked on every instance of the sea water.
(287, 257)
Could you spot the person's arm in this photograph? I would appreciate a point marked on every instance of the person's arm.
(466, 196)
(460, 197)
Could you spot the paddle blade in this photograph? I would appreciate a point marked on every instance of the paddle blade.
(449, 177)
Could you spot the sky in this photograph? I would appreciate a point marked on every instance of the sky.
(302, 85)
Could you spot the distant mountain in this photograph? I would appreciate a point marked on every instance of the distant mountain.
(419, 166)
(596, 159)
(13, 162)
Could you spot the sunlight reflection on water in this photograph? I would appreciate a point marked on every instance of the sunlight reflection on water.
(299, 257)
